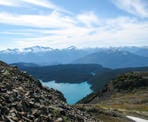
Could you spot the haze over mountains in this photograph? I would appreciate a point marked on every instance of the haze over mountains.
(114, 57)
(42, 55)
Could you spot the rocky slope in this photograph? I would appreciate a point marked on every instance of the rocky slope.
(24, 99)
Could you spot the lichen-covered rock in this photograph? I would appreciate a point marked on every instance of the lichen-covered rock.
(24, 99)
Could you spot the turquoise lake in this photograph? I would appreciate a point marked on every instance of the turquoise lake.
(72, 92)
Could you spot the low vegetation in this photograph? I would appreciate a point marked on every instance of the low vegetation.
(126, 94)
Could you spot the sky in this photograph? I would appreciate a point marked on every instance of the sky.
(80, 23)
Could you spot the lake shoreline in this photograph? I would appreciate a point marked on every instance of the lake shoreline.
(73, 92)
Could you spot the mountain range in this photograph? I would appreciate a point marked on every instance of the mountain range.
(113, 57)
(42, 55)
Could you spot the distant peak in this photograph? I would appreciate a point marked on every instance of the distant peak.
(38, 48)
(15, 50)
(71, 47)
(33, 49)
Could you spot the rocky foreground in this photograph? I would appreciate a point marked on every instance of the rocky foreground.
(24, 99)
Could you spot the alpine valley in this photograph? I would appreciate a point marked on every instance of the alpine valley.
(114, 83)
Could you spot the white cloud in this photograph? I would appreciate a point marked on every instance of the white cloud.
(8, 3)
(43, 3)
(46, 4)
(123, 31)
(107, 33)
(53, 20)
(59, 30)
(135, 7)
(88, 18)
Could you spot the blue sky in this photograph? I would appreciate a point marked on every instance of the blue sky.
(81, 23)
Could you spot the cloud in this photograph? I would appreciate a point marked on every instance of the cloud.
(136, 7)
(88, 18)
(59, 29)
(53, 20)
(42, 3)
(8, 3)
(108, 33)
(46, 4)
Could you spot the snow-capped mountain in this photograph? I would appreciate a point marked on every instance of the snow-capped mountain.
(10, 51)
(42, 55)
(37, 49)
(71, 48)
(114, 59)
(108, 57)
(33, 49)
